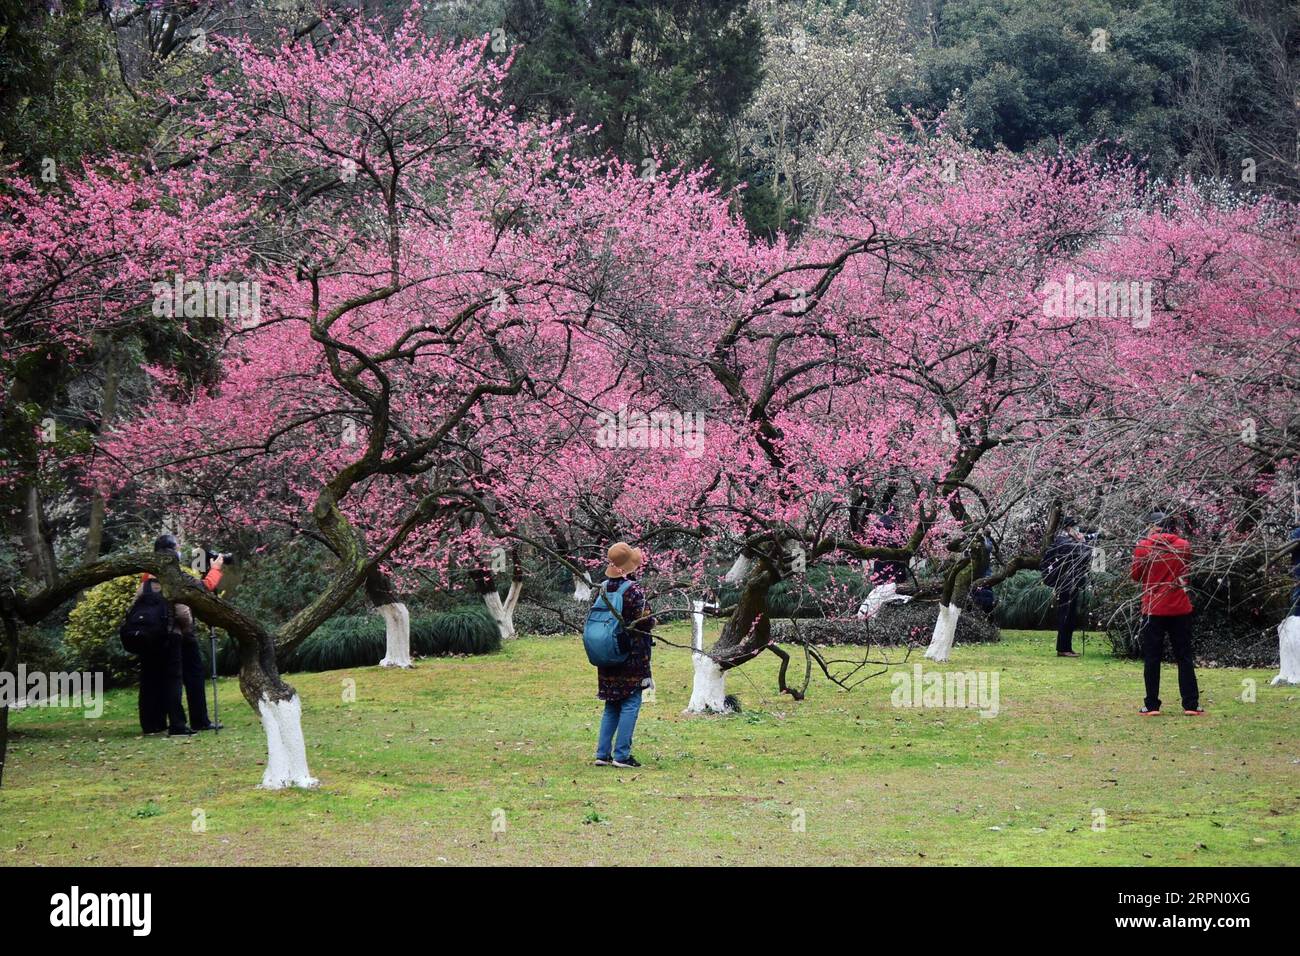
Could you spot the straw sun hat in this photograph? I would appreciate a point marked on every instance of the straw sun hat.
(623, 559)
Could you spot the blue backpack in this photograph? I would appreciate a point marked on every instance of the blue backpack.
(600, 635)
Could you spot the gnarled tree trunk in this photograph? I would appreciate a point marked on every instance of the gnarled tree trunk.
(38, 552)
(501, 611)
(746, 635)
(275, 701)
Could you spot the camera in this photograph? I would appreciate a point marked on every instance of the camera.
(226, 556)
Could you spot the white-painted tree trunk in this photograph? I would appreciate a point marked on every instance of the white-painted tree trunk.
(286, 751)
(503, 612)
(1288, 645)
(945, 630)
(582, 589)
(739, 569)
(397, 627)
(709, 690)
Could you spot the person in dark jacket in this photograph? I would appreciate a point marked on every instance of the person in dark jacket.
(164, 671)
(193, 674)
(1160, 563)
(983, 597)
(1065, 570)
(621, 685)
(886, 534)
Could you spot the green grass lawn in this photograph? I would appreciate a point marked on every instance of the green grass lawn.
(416, 769)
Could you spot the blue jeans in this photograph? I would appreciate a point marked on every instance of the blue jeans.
(620, 715)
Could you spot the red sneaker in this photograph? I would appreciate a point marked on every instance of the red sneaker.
(1193, 713)
(1149, 713)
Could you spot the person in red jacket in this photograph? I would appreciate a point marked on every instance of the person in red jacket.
(1160, 564)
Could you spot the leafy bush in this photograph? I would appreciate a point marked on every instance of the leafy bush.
(91, 638)
(355, 640)
(42, 649)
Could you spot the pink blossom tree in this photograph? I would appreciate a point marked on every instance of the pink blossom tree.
(426, 267)
(78, 263)
(1201, 413)
(454, 323)
(900, 338)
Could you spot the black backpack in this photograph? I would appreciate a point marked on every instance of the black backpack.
(986, 599)
(1064, 565)
(1053, 565)
(147, 623)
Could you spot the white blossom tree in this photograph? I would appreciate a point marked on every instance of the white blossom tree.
(826, 71)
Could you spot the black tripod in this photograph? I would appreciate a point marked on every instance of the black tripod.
(216, 708)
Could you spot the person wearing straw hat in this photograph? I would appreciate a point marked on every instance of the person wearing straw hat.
(620, 686)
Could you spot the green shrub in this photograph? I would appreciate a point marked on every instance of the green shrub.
(91, 638)
(227, 654)
(359, 640)
(355, 640)
(463, 630)
(1025, 603)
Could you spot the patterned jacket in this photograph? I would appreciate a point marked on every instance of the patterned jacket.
(623, 680)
